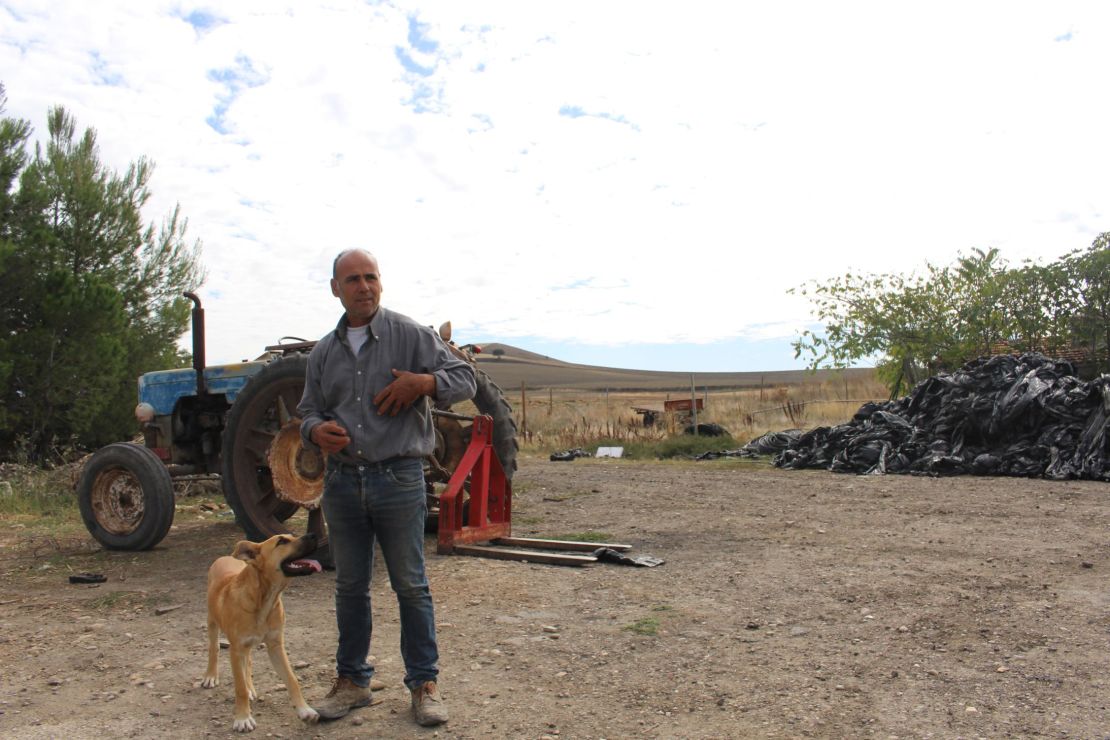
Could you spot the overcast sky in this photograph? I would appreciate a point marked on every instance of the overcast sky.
(631, 184)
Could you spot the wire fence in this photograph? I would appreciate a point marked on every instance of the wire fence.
(803, 404)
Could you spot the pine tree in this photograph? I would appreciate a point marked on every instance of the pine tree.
(89, 297)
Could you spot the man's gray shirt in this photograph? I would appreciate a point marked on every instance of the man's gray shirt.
(340, 386)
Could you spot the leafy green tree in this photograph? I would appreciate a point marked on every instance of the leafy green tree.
(89, 297)
(1039, 303)
(907, 321)
(1089, 271)
(974, 291)
(949, 315)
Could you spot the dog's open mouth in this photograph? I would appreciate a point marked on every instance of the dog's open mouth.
(300, 567)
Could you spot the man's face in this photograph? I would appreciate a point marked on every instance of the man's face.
(358, 287)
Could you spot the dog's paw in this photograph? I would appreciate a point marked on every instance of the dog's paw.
(244, 725)
(210, 682)
(308, 714)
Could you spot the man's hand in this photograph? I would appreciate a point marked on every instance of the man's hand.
(404, 391)
(330, 437)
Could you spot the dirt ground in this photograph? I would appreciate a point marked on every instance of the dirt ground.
(791, 604)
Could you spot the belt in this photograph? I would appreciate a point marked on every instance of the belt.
(359, 467)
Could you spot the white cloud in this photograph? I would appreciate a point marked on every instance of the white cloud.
(724, 152)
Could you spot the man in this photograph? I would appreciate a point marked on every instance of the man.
(365, 405)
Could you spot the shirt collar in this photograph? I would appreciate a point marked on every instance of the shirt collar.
(375, 325)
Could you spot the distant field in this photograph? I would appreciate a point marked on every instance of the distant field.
(563, 404)
(535, 371)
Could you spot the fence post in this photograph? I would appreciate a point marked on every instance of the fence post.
(694, 403)
(523, 412)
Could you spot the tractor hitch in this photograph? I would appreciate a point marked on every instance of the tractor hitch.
(487, 529)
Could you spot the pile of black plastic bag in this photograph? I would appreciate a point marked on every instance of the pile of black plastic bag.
(566, 455)
(1004, 415)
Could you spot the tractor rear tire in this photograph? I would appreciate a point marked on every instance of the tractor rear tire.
(125, 494)
(258, 413)
(490, 401)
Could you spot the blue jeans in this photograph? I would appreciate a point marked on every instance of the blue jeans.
(383, 502)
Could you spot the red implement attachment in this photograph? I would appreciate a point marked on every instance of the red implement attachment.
(487, 531)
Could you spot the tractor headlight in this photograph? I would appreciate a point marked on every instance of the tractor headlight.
(144, 412)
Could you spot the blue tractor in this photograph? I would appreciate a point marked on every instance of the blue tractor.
(239, 422)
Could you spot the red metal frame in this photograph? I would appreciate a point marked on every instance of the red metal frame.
(491, 495)
(489, 519)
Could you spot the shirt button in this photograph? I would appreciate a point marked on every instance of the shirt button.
(360, 372)
(360, 426)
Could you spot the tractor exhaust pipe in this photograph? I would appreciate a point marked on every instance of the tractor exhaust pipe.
(198, 342)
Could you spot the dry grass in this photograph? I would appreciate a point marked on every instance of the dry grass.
(563, 418)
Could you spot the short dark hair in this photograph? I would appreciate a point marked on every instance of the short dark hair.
(344, 253)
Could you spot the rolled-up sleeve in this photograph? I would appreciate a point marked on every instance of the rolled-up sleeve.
(454, 377)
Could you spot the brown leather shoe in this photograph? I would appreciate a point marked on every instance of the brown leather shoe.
(427, 705)
(344, 696)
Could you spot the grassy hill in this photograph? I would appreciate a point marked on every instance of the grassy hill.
(516, 366)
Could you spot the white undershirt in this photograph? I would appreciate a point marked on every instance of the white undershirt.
(357, 336)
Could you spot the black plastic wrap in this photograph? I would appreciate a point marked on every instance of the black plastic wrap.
(1022, 416)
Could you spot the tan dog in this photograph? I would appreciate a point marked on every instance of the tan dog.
(244, 601)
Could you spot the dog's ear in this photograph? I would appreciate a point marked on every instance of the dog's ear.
(245, 550)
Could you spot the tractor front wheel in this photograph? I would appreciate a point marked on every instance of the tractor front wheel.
(126, 497)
